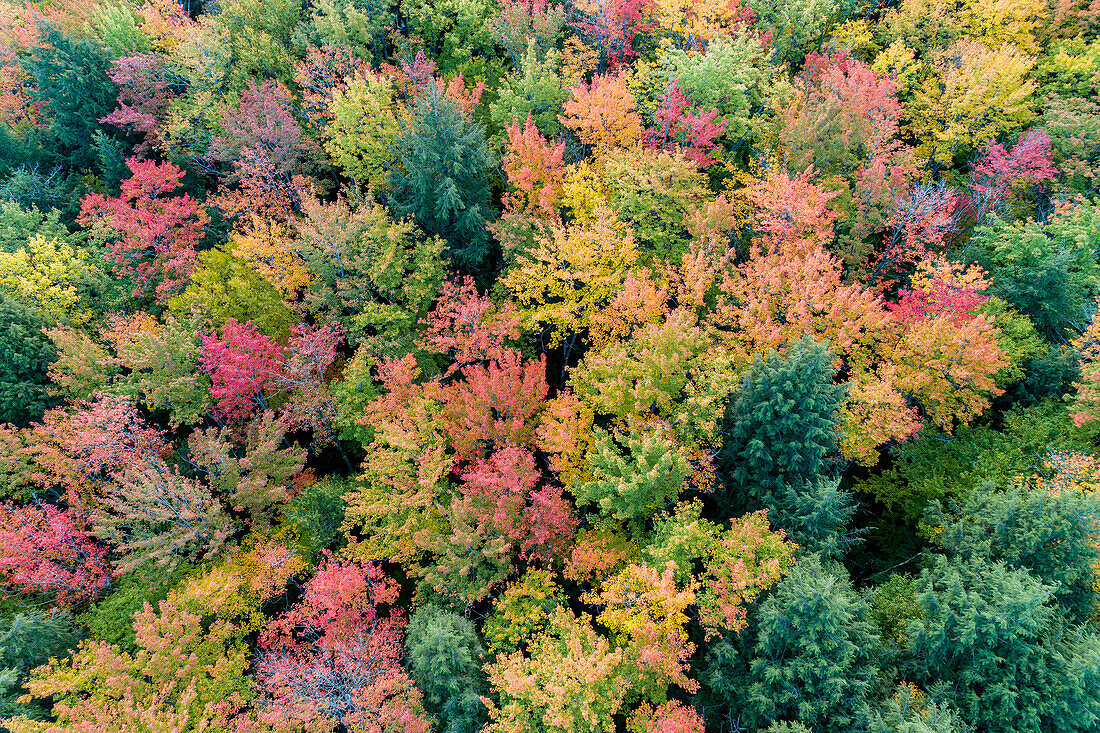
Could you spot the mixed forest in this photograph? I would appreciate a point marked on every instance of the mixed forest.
(610, 366)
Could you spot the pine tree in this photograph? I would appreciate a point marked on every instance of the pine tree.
(441, 177)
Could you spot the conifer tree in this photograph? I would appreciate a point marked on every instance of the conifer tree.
(445, 656)
(997, 638)
(781, 426)
(814, 658)
(441, 177)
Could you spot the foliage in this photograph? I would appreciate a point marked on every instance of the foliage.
(444, 661)
(813, 658)
(150, 238)
(25, 355)
(181, 675)
(440, 177)
(782, 423)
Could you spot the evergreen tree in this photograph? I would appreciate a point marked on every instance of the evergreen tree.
(814, 514)
(1053, 536)
(70, 78)
(28, 640)
(815, 651)
(781, 428)
(1011, 662)
(441, 177)
(445, 661)
(25, 353)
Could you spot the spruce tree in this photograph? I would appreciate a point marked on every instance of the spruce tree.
(441, 177)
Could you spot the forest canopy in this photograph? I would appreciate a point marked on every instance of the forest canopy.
(525, 366)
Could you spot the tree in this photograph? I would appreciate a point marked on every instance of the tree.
(570, 275)
(655, 192)
(266, 146)
(362, 131)
(271, 249)
(994, 635)
(150, 511)
(493, 405)
(182, 675)
(841, 115)
(69, 80)
(48, 550)
(441, 177)
(52, 276)
(603, 115)
(164, 366)
(151, 238)
(523, 22)
(730, 567)
(910, 710)
(445, 655)
(1043, 270)
(611, 25)
(536, 90)
(375, 277)
(569, 681)
(242, 364)
(225, 287)
(25, 356)
(694, 135)
(302, 380)
(731, 76)
(27, 641)
(815, 654)
(1051, 533)
(783, 424)
(252, 471)
(637, 485)
(332, 659)
(947, 368)
(534, 170)
(468, 327)
(976, 93)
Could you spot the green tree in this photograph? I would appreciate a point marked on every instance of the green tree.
(69, 76)
(28, 640)
(1051, 535)
(995, 636)
(782, 422)
(1047, 271)
(441, 177)
(536, 89)
(224, 287)
(815, 654)
(25, 355)
(444, 659)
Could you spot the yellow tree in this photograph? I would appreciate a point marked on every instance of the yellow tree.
(571, 275)
(270, 248)
(975, 94)
(50, 275)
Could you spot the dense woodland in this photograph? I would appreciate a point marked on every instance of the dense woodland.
(636, 366)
